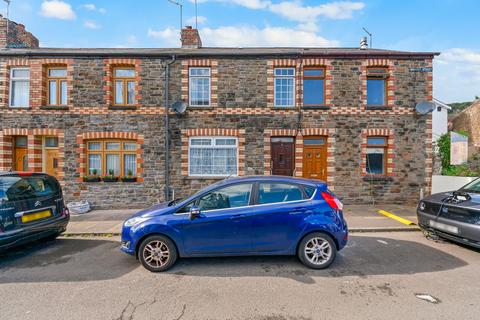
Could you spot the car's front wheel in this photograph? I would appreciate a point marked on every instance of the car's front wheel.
(157, 253)
(317, 251)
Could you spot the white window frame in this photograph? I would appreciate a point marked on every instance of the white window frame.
(12, 79)
(190, 78)
(212, 146)
(275, 77)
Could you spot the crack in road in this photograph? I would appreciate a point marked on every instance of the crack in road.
(181, 314)
(135, 307)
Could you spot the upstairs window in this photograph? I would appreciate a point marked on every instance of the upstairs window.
(124, 86)
(57, 86)
(112, 156)
(19, 87)
(284, 87)
(314, 86)
(199, 84)
(376, 155)
(213, 156)
(377, 86)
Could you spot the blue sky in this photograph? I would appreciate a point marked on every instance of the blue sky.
(447, 26)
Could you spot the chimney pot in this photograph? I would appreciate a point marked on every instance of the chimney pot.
(363, 43)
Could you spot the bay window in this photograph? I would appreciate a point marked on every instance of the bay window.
(19, 87)
(213, 156)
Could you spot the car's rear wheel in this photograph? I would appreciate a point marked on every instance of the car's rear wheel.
(317, 251)
(157, 253)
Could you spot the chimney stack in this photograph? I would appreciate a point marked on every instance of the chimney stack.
(363, 43)
(191, 38)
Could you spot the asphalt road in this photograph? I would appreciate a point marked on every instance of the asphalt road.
(376, 277)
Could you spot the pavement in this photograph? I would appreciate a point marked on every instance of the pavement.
(360, 218)
(394, 275)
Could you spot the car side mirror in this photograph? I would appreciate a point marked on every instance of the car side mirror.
(194, 212)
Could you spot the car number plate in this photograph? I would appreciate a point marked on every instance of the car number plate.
(443, 227)
(36, 216)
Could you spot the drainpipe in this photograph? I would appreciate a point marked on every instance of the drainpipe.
(167, 129)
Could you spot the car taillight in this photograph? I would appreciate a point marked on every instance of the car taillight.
(333, 202)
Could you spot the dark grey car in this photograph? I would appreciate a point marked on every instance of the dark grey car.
(453, 215)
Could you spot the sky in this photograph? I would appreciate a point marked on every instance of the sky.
(446, 26)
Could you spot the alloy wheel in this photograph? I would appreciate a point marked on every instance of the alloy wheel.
(318, 251)
(156, 254)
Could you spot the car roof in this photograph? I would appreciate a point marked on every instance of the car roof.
(287, 179)
(14, 173)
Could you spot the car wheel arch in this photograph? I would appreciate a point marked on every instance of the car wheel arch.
(140, 240)
(317, 231)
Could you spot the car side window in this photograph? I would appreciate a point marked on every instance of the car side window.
(274, 192)
(309, 190)
(186, 208)
(228, 197)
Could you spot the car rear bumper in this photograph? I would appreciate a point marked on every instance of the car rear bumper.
(467, 233)
(32, 233)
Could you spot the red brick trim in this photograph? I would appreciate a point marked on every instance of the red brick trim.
(390, 149)
(239, 133)
(429, 157)
(213, 65)
(429, 96)
(82, 150)
(34, 148)
(299, 137)
(390, 65)
(108, 66)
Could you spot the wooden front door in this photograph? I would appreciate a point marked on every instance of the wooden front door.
(20, 158)
(51, 162)
(315, 158)
(283, 156)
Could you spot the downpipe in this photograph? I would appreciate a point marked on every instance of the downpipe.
(167, 128)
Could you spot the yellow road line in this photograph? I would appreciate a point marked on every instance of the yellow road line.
(395, 217)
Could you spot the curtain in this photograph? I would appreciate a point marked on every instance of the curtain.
(20, 93)
(129, 164)
(113, 163)
(95, 162)
(213, 161)
(118, 92)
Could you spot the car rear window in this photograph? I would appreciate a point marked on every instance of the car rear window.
(309, 190)
(14, 188)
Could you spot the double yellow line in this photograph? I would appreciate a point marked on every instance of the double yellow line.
(397, 218)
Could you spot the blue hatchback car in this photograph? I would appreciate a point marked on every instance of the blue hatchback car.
(257, 215)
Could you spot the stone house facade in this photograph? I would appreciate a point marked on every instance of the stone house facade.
(309, 112)
(469, 121)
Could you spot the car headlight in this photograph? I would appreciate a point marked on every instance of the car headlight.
(422, 206)
(134, 221)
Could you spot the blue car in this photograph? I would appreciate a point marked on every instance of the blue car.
(258, 215)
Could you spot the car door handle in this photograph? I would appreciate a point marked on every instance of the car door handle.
(235, 216)
(300, 211)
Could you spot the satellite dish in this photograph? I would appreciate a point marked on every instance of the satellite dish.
(179, 107)
(425, 107)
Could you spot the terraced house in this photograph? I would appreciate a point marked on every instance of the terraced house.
(96, 118)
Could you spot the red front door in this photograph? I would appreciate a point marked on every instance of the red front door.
(283, 153)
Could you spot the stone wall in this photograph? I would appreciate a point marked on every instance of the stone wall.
(242, 104)
(469, 120)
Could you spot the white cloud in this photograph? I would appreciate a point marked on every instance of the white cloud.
(248, 36)
(57, 9)
(92, 7)
(91, 25)
(457, 75)
(295, 11)
(201, 20)
(251, 4)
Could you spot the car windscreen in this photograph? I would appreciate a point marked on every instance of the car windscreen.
(14, 188)
(473, 186)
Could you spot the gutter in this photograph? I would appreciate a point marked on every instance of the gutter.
(167, 128)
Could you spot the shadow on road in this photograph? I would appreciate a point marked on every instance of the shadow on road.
(363, 257)
(65, 259)
(92, 259)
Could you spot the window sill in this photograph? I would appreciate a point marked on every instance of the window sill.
(200, 108)
(374, 178)
(316, 107)
(54, 107)
(19, 108)
(379, 107)
(284, 107)
(207, 177)
(122, 107)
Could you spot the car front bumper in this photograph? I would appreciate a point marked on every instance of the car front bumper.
(468, 234)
